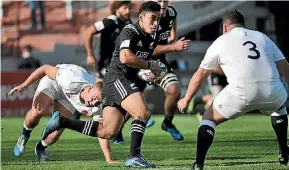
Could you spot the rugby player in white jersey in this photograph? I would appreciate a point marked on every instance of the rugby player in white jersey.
(252, 63)
(66, 88)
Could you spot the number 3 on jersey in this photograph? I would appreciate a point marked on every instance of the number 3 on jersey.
(253, 48)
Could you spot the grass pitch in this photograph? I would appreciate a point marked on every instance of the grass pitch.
(245, 143)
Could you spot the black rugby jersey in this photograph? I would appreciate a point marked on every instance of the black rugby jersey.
(110, 29)
(140, 43)
(164, 30)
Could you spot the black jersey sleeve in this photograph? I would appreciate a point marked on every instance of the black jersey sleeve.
(128, 37)
(172, 12)
(106, 23)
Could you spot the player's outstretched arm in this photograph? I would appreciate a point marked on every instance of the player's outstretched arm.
(39, 73)
(283, 68)
(88, 37)
(196, 82)
(181, 45)
(105, 146)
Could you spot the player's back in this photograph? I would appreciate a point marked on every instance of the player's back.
(247, 56)
(248, 59)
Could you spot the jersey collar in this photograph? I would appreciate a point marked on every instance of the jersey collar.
(139, 28)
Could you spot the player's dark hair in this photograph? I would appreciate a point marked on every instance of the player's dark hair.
(234, 17)
(117, 4)
(27, 48)
(149, 6)
(98, 84)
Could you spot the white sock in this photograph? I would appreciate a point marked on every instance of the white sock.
(30, 129)
(43, 143)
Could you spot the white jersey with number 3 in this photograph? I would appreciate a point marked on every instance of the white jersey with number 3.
(248, 60)
(245, 56)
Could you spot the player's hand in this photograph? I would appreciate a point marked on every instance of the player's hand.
(91, 60)
(182, 44)
(113, 162)
(182, 104)
(19, 88)
(155, 68)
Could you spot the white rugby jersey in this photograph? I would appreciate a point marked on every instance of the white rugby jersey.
(72, 79)
(245, 56)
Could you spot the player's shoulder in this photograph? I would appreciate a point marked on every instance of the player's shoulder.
(171, 11)
(131, 29)
(112, 18)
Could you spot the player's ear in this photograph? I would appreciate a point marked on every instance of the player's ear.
(141, 17)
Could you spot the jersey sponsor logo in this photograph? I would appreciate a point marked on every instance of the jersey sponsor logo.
(139, 44)
(142, 55)
(164, 35)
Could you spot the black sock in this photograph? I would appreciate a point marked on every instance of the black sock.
(40, 146)
(88, 127)
(205, 140)
(137, 130)
(26, 131)
(119, 136)
(168, 120)
(280, 125)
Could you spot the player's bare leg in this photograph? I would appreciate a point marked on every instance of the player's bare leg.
(141, 114)
(40, 106)
(41, 146)
(112, 121)
(206, 132)
(118, 139)
(173, 93)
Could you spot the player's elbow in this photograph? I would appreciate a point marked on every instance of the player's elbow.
(124, 57)
(124, 60)
(89, 32)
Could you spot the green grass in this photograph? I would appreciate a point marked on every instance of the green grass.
(245, 143)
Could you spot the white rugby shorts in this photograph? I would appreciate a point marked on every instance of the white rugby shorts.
(51, 89)
(234, 101)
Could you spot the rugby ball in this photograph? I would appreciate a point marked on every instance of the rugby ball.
(148, 76)
(163, 72)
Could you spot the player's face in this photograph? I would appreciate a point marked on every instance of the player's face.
(150, 21)
(124, 11)
(94, 97)
(164, 6)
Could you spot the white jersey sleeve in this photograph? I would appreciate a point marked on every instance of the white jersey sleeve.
(211, 58)
(277, 54)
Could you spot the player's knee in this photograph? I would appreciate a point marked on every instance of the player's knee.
(174, 90)
(110, 134)
(37, 112)
(145, 115)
